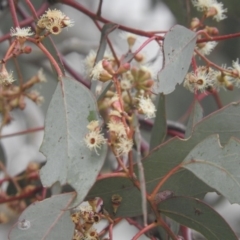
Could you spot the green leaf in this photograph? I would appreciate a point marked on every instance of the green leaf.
(178, 47)
(122, 186)
(164, 158)
(159, 129)
(218, 167)
(68, 158)
(107, 28)
(224, 122)
(49, 45)
(195, 117)
(46, 220)
(199, 216)
(2, 155)
(174, 226)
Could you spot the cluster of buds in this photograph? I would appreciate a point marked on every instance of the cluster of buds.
(27, 180)
(130, 93)
(12, 96)
(105, 69)
(119, 133)
(53, 21)
(84, 218)
(205, 78)
(210, 8)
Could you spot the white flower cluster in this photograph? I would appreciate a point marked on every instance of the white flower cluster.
(94, 139)
(206, 78)
(21, 32)
(54, 21)
(211, 8)
(147, 107)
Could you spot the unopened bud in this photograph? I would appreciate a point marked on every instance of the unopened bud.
(195, 23)
(139, 57)
(131, 39)
(212, 30)
(229, 85)
(134, 72)
(149, 83)
(116, 201)
(123, 68)
(212, 11)
(27, 50)
(21, 103)
(32, 167)
(108, 66)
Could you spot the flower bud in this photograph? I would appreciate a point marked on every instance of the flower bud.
(27, 50)
(139, 57)
(195, 23)
(123, 68)
(116, 201)
(108, 66)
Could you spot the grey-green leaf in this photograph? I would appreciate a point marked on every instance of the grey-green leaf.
(216, 166)
(199, 216)
(107, 28)
(195, 117)
(167, 156)
(159, 129)
(68, 158)
(46, 220)
(178, 49)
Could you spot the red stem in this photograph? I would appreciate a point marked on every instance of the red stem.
(26, 22)
(48, 55)
(13, 13)
(92, 15)
(185, 232)
(30, 130)
(32, 9)
(145, 229)
(111, 175)
(110, 230)
(21, 196)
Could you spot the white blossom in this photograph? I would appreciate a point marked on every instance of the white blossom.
(94, 140)
(125, 84)
(201, 80)
(220, 11)
(117, 127)
(124, 146)
(207, 48)
(21, 32)
(208, 5)
(147, 107)
(6, 78)
(93, 125)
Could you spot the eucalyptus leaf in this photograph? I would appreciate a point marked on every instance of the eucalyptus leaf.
(178, 47)
(216, 166)
(174, 226)
(195, 117)
(131, 197)
(46, 220)
(197, 215)
(159, 129)
(107, 28)
(164, 158)
(68, 158)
